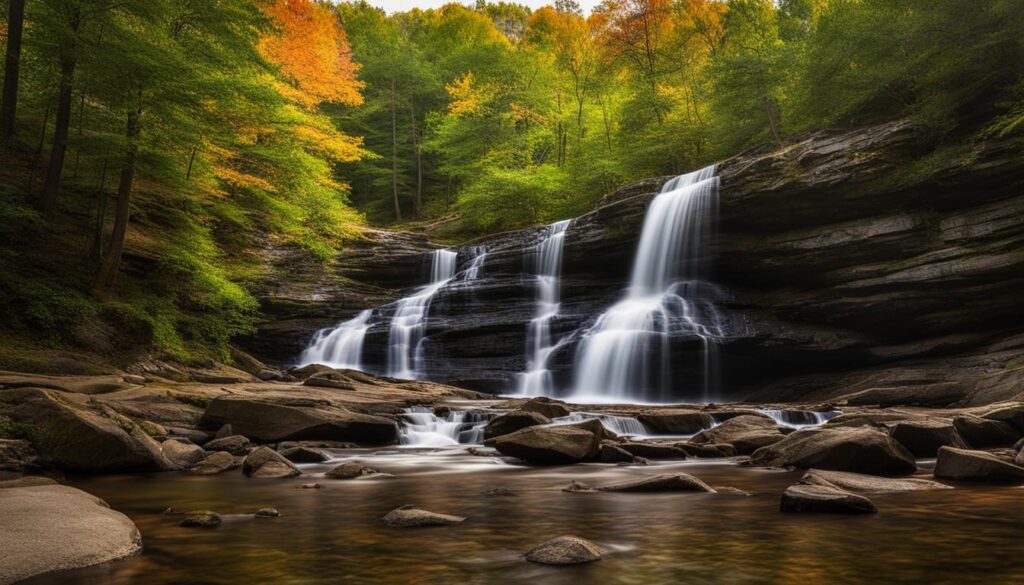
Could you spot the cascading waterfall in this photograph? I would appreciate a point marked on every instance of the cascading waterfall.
(408, 325)
(626, 354)
(799, 419)
(536, 380)
(422, 428)
(625, 426)
(476, 265)
(340, 347)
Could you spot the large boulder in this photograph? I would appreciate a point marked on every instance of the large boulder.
(859, 482)
(679, 482)
(215, 463)
(969, 465)
(412, 517)
(1012, 413)
(350, 470)
(265, 463)
(305, 455)
(564, 550)
(924, 437)
(234, 444)
(546, 406)
(746, 433)
(49, 528)
(550, 445)
(511, 422)
(73, 437)
(824, 499)
(182, 455)
(858, 449)
(982, 432)
(675, 421)
(279, 418)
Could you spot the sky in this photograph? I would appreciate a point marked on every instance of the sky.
(402, 5)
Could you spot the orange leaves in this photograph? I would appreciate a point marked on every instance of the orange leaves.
(466, 99)
(312, 52)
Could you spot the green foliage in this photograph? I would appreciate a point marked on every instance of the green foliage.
(14, 430)
(499, 198)
(192, 400)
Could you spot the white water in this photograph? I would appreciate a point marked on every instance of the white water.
(536, 380)
(799, 419)
(626, 426)
(626, 356)
(422, 428)
(476, 265)
(408, 325)
(340, 347)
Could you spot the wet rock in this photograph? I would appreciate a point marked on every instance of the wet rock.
(1013, 414)
(201, 519)
(707, 451)
(281, 418)
(310, 370)
(412, 517)
(924, 437)
(267, 513)
(511, 422)
(594, 426)
(565, 550)
(17, 455)
(265, 463)
(675, 421)
(350, 470)
(316, 445)
(305, 455)
(311, 486)
(500, 491)
(577, 487)
(194, 436)
(824, 499)
(272, 375)
(234, 444)
(746, 433)
(224, 431)
(612, 453)
(483, 452)
(731, 491)
(550, 445)
(966, 465)
(638, 461)
(182, 455)
(980, 432)
(53, 527)
(860, 449)
(680, 482)
(215, 463)
(859, 482)
(547, 407)
(652, 450)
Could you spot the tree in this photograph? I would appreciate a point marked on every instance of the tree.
(12, 67)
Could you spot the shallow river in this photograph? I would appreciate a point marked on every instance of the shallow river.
(335, 535)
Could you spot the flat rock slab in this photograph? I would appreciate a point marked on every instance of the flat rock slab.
(565, 550)
(976, 466)
(824, 499)
(661, 483)
(54, 527)
(413, 517)
(859, 482)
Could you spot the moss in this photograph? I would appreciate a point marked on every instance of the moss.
(192, 400)
(149, 429)
(14, 430)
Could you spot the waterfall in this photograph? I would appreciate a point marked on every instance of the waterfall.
(340, 347)
(422, 428)
(537, 379)
(472, 272)
(626, 426)
(799, 419)
(626, 354)
(408, 325)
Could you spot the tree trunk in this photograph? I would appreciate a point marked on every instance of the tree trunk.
(418, 202)
(112, 262)
(191, 159)
(15, 26)
(96, 249)
(48, 198)
(770, 110)
(394, 154)
(39, 151)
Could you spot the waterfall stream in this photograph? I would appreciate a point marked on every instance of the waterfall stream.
(625, 356)
(340, 347)
(536, 380)
(408, 325)
(476, 265)
(422, 428)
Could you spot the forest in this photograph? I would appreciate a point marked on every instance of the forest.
(152, 148)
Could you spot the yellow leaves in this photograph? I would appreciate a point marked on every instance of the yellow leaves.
(242, 180)
(518, 113)
(466, 99)
(333, 144)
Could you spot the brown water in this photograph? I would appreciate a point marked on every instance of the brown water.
(974, 534)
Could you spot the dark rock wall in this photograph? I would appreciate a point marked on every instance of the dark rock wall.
(849, 261)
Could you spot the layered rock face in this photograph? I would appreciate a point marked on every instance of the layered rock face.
(864, 265)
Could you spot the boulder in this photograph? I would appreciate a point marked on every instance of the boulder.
(201, 519)
(675, 421)
(335, 380)
(969, 465)
(596, 427)
(547, 407)
(1013, 414)
(578, 487)
(215, 463)
(612, 453)
(196, 437)
(224, 431)
(49, 528)
(267, 513)
(500, 492)
(27, 481)
(982, 432)
(564, 550)
(281, 418)
(305, 455)
(652, 450)
(924, 437)
(265, 463)
(310, 370)
(511, 422)
(234, 444)
(551, 445)
(746, 433)
(680, 482)
(707, 451)
(349, 470)
(182, 455)
(17, 455)
(857, 449)
(412, 517)
(824, 499)
(859, 482)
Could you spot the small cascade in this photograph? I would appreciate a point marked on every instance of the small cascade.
(340, 347)
(799, 419)
(626, 355)
(620, 425)
(476, 265)
(422, 428)
(408, 324)
(536, 381)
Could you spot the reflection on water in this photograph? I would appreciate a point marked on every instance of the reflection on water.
(335, 535)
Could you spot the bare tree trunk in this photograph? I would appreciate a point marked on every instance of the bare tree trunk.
(191, 159)
(15, 27)
(418, 202)
(394, 154)
(112, 262)
(68, 63)
(770, 110)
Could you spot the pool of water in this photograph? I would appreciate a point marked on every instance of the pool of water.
(974, 534)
